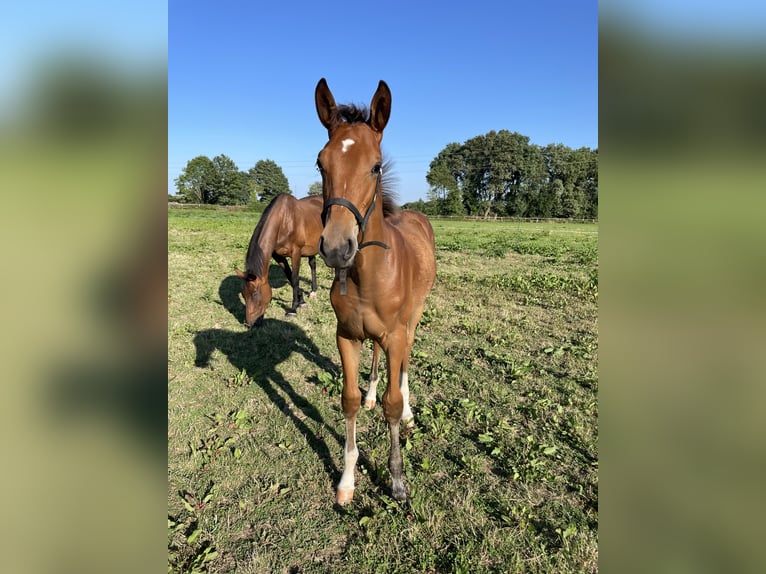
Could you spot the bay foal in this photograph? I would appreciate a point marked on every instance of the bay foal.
(384, 264)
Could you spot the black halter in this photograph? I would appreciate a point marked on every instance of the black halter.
(361, 221)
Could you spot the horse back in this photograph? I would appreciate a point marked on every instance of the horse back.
(417, 237)
(300, 225)
(309, 221)
(417, 224)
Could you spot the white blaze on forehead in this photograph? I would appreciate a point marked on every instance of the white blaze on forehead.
(347, 144)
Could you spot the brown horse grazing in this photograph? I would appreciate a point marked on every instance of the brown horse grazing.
(288, 227)
(384, 263)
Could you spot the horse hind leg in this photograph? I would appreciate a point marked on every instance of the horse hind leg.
(298, 300)
(313, 267)
(393, 407)
(395, 464)
(372, 393)
(407, 417)
(404, 388)
(404, 384)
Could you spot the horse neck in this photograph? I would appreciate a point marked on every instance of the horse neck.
(369, 256)
(266, 239)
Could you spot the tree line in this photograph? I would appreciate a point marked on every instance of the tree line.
(503, 174)
(220, 181)
(495, 174)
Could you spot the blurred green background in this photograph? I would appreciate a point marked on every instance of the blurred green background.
(83, 116)
(682, 426)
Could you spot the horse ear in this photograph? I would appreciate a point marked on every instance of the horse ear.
(380, 108)
(325, 104)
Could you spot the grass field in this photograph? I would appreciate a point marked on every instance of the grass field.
(501, 467)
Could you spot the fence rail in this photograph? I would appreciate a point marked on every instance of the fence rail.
(211, 206)
(510, 219)
(175, 204)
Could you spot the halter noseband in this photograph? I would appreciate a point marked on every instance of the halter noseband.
(360, 221)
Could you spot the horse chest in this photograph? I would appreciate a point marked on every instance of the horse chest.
(357, 319)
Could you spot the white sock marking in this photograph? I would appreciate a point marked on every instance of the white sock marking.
(347, 144)
(404, 387)
(372, 392)
(349, 459)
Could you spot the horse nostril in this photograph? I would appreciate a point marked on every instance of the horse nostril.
(349, 250)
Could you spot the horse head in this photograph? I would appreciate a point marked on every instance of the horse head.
(256, 292)
(351, 167)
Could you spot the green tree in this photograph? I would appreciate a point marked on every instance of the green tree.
(231, 188)
(589, 159)
(503, 173)
(514, 172)
(269, 180)
(532, 185)
(445, 179)
(197, 182)
(549, 199)
(477, 193)
(248, 188)
(572, 202)
(315, 188)
(577, 172)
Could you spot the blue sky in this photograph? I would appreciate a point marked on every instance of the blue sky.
(241, 78)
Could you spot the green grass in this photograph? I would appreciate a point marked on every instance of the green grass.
(501, 466)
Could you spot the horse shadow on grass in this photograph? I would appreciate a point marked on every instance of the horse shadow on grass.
(259, 352)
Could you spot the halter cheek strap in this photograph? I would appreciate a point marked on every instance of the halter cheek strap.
(361, 221)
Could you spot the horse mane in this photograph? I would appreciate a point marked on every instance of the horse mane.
(388, 184)
(256, 259)
(350, 114)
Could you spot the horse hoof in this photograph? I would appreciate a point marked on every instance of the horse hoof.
(369, 405)
(399, 492)
(312, 294)
(345, 496)
(291, 314)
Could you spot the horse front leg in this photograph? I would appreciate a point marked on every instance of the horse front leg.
(393, 406)
(285, 266)
(295, 282)
(351, 402)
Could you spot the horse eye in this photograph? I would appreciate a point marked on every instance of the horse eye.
(377, 168)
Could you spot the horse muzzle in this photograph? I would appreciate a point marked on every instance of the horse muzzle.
(339, 252)
(257, 322)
